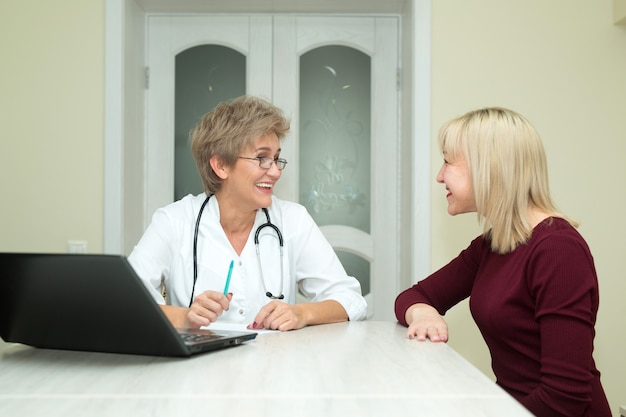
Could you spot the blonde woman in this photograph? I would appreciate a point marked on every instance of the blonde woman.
(530, 276)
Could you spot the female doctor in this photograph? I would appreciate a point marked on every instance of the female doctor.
(236, 253)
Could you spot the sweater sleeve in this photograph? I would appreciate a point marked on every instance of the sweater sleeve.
(446, 287)
(563, 283)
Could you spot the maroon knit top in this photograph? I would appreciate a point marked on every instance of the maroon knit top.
(536, 309)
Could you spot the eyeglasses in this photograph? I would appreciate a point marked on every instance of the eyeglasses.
(266, 163)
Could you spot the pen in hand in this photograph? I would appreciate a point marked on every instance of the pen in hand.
(230, 272)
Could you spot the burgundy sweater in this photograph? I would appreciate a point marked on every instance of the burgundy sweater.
(536, 309)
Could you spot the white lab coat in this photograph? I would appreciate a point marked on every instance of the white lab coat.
(165, 251)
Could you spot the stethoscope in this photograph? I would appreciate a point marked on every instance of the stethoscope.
(258, 253)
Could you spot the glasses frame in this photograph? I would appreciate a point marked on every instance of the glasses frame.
(264, 160)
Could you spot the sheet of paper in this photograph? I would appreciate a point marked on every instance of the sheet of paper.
(238, 327)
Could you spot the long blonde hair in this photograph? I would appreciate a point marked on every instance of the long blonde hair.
(509, 171)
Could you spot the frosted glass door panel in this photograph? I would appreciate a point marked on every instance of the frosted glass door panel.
(335, 143)
(205, 76)
(335, 136)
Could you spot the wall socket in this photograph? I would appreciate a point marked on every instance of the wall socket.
(76, 246)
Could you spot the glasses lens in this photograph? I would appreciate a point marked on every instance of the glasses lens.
(280, 163)
(266, 163)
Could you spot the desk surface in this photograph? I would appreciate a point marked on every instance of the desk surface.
(345, 369)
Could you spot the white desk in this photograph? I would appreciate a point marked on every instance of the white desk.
(346, 369)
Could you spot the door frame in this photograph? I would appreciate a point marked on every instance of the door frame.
(124, 108)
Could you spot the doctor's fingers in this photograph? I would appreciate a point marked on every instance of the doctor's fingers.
(262, 315)
(284, 318)
(268, 314)
(208, 307)
(194, 321)
(213, 300)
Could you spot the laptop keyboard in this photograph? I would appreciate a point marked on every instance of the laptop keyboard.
(199, 337)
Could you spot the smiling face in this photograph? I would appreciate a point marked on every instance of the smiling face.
(249, 185)
(455, 175)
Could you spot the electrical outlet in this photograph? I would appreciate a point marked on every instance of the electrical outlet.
(76, 246)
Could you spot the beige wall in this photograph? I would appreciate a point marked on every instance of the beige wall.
(560, 63)
(51, 124)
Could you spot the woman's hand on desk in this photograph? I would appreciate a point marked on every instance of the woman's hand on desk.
(204, 310)
(425, 322)
(277, 315)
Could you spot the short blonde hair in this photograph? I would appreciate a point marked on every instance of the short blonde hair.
(229, 128)
(509, 171)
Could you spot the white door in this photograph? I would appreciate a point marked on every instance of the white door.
(167, 37)
(274, 48)
(376, 38)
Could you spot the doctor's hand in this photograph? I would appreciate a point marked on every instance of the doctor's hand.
(277, 315)
(425, 322)
(206, 308)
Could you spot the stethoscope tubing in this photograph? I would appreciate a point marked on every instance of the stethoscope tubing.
(256, 244)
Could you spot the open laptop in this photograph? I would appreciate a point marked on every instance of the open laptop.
(92, 303)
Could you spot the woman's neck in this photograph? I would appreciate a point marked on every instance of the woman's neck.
(236, 223)
(536, 216)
